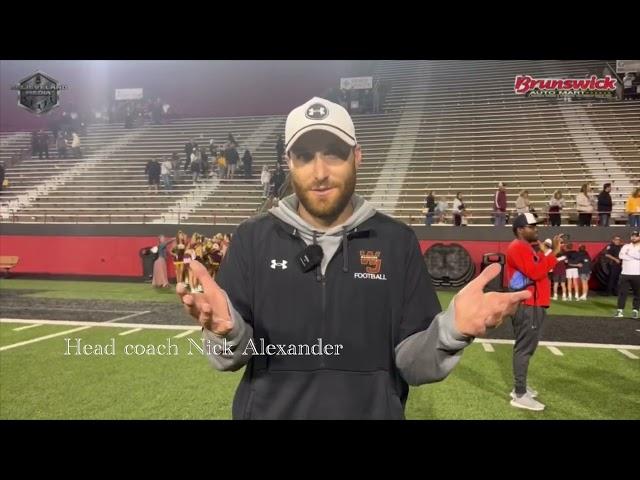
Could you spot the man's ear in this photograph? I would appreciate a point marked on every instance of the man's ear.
(357, 152)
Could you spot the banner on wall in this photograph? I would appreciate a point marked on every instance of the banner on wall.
(356, 83)
(128, 94)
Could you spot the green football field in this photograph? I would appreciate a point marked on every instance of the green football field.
(38, 381)
(136, 291)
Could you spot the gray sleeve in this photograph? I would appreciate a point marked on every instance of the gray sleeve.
(232, 347)
(430, 355)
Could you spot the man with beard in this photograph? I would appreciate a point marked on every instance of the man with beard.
(528, 270)
(325, 268)
(630, 277)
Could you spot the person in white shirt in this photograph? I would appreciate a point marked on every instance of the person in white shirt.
(585, 206)
(265, 180)
(75, 145)
(630, 277)
(458, 210)
(523, 205)
(165, 173)
(441, 210)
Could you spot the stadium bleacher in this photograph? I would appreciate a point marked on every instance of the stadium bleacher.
(447, 126)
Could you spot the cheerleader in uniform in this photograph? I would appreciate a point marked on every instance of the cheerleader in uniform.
(178, 255)
(195, 253)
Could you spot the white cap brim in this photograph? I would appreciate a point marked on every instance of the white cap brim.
(341, 134)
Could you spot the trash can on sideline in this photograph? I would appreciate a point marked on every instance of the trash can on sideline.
(147, 257)
(495, 285)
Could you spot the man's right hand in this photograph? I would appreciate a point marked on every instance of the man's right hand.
(210, 307)
(556, 244)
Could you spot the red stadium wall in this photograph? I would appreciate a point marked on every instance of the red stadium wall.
(118, 256)
(100, 256)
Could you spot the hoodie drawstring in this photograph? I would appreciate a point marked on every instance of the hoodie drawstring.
(318, 276)
(345, 250)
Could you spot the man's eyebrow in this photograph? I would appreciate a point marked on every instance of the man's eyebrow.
(337, 146)
(331, 147)
(300, 151)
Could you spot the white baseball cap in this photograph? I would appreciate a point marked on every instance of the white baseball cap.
(319, 114)
(524, 219)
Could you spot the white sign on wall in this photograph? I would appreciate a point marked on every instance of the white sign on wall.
(356, 83)
(128, 94)
(623, 66)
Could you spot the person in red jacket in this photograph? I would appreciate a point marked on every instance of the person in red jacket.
(528, 269)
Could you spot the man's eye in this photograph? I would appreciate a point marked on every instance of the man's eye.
(336, 152)
(304, 156)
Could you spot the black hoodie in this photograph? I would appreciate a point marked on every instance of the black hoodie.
(372, 300)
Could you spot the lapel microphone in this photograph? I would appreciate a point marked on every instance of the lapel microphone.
(310, 258)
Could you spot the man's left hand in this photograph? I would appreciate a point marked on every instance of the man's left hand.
(475, 311)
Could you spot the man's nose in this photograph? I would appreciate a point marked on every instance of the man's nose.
(320, 167)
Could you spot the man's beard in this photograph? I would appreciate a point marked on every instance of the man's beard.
(325, 209)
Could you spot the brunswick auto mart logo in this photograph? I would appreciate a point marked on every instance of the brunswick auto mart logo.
(594, 86)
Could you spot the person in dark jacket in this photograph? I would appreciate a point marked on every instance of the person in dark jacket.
(279, 149)
(612, 259)
(430, 207)
(35, 144)
(327, 302)
(232, 157)
(43, 144)
(61, 145)
(605, 205)
(584, 270)
(278, 179)
(500, 206)
(247, 163)
(153, 169)
(205, 168)
(188, 150)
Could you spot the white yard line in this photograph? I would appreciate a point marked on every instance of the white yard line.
(150, 326)
(27, 327)
(560, 344)
(555, 351)
(69, 309)
(122, 334)
(488, 347)
(39, 339)
(66, 332)
(184, 334)
(136, 314)
(627, 354)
